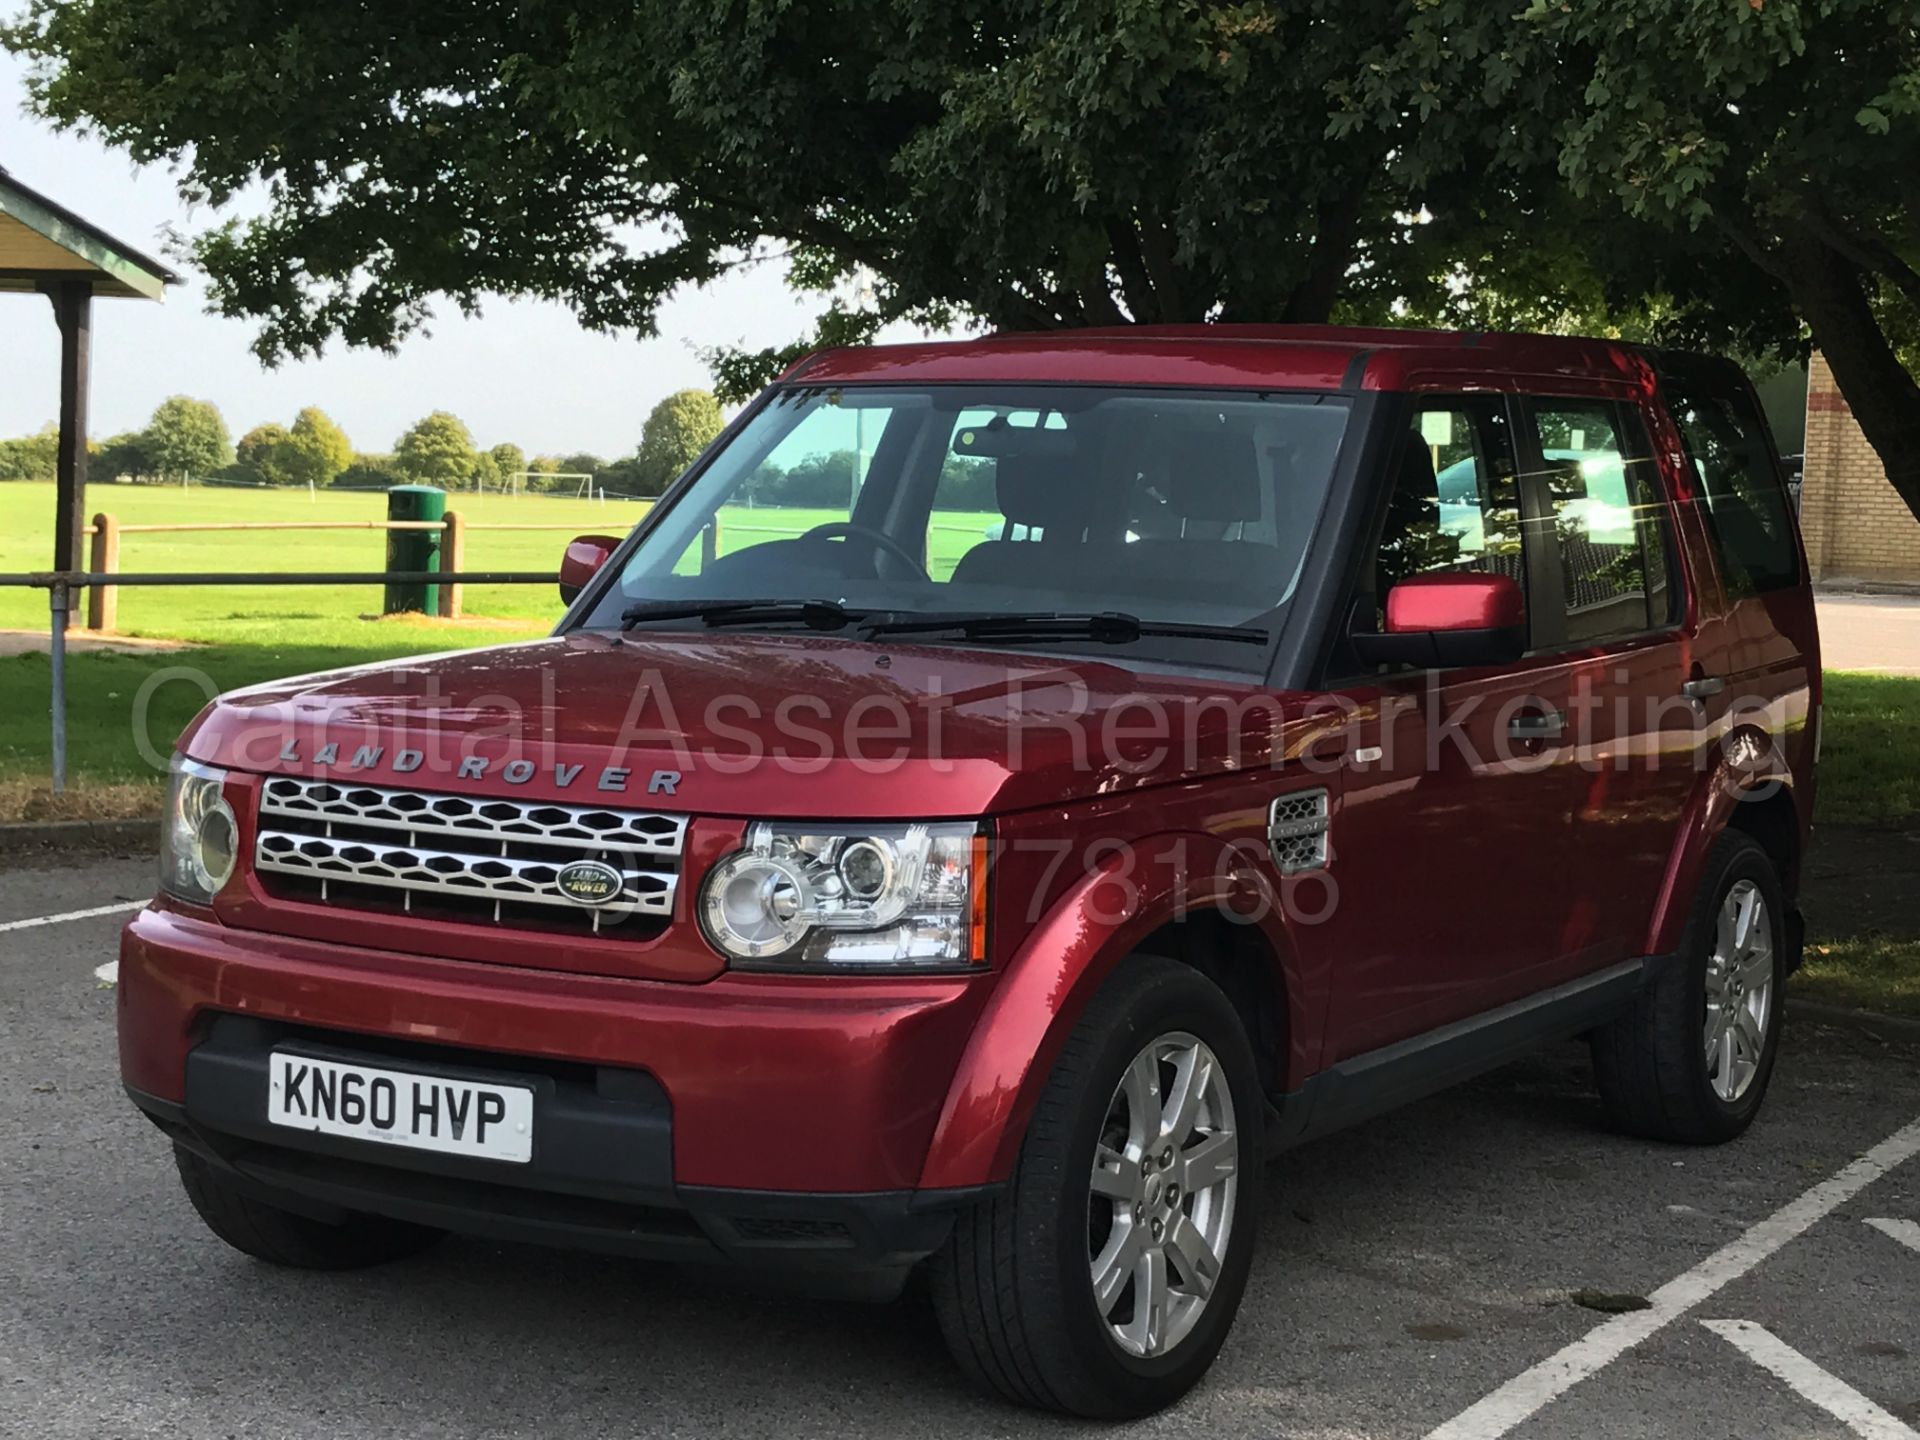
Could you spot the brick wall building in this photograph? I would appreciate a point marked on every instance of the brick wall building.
(1856, 526)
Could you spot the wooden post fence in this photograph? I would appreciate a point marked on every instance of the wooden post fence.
(453, 557)
(103, 601)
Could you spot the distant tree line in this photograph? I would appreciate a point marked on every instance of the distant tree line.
(825, 481)
(187, 441)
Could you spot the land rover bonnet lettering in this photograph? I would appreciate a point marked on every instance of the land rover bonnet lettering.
(372, 758)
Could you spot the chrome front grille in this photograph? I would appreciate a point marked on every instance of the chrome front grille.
(476, 858)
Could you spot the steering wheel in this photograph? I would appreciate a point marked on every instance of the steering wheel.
(879, 539)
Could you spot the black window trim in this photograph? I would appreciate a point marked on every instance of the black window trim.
(1377, 462)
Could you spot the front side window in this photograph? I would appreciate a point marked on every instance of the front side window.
(1165, 505)
(1610, 527)
(1453, 504)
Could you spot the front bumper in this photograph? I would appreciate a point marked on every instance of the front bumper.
(753, 1114)
(851, 1245)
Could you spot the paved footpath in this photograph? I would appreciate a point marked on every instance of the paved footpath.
(1870, 632)
(1414, 1277)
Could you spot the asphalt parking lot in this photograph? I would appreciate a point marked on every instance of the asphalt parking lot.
(1414, 1274)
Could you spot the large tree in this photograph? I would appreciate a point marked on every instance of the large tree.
(31, 457)
(262, 450)
(438, 450)
(187, 438)
(1024, 165)
(1719, 169)
(316, 449)
(508, 460)
(1777, 185)
(677, 430)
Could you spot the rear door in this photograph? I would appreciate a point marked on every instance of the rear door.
(1610, 609)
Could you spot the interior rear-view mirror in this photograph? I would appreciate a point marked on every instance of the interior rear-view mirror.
(999, 438)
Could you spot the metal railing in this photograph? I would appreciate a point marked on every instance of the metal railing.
(61, 585)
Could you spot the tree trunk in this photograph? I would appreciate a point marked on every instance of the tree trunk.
(1883, 396)
(1338, 229)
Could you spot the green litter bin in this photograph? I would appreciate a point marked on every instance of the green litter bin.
(414, 549)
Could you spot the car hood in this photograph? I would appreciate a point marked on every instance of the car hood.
(753, 724)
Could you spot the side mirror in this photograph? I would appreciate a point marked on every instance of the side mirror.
(584, 557)
(1449, 620)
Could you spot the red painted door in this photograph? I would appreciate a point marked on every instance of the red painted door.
(1608, 554)
(1450, 845)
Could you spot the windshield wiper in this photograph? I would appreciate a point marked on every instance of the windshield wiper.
(815, 614)
(1109, 627)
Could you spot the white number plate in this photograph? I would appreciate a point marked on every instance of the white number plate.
(396, 1107)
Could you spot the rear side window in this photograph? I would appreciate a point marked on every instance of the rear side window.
(1746, 505)
(1595, 480)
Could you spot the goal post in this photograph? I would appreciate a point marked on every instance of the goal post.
(582, 491)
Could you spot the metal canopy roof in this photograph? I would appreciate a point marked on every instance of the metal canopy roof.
(43, 243)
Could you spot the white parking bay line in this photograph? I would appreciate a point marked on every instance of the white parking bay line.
(1905, 1231)
(120, 909)
(1829, 1392)
(1531, 1391)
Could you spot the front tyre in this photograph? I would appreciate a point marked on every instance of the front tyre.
(1691, 1061)
(1103, 1280)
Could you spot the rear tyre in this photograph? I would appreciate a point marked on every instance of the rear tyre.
(281, 1237)
(1103, 1280)
(1691, 1061)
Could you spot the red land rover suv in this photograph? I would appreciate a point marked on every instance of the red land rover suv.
(1001, 794)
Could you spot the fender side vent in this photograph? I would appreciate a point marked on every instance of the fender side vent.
(1297, 827)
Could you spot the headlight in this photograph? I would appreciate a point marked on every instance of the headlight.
(880, 897)
(199, 836)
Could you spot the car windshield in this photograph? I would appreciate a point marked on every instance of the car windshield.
(905, 505)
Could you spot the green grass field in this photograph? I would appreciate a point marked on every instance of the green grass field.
(243, 635)
(330, 615)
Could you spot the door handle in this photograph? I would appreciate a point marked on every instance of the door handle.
(1701, 687)
(1541, 725)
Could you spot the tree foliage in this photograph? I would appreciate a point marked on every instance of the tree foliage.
(370, 472)
(508, 460)
(1716, 170)
(260, 452)
(127, 454)
(1778, 187)
(316, 450)
(438, 450)
(31, 457)
(677, 430)
(187, 438)
(1024, 165)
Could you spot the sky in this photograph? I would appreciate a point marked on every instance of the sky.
(522, 371)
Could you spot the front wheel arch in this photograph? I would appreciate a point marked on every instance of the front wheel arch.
(1074, 949)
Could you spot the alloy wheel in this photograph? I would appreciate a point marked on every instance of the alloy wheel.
(1739, 991)
(1160, 1215)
